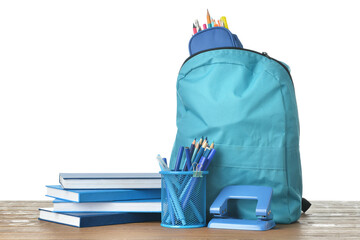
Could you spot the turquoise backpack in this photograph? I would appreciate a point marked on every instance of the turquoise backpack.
(245, 102)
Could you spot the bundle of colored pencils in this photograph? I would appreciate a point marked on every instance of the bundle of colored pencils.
(210, 23)
(197, 157)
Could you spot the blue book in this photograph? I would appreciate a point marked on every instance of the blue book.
(143, 206)
(102, 195)
(95, 219)
(110, 180)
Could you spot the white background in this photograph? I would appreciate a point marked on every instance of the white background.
(89, 86)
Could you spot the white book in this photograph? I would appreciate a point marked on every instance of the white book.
(88, 219)
(110, 180)
(145, 205)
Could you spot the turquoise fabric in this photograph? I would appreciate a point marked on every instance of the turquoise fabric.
(245, 102)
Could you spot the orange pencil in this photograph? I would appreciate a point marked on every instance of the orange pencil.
(208, 19)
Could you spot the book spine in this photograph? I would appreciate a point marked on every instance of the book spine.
(125, 218)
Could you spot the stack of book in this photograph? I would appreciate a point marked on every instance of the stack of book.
(97, 199)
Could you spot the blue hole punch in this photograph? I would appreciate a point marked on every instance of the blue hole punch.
(263, 212)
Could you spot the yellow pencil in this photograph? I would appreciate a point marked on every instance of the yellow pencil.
(223, 19)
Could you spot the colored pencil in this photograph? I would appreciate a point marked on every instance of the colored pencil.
(197, 145)
(223, 19)
(179, 158)
(201, 140)
(200, 153)
(188, 160)
(208, 19)
(206, 152)
(192, 147)
(208, 160)
(197, 25)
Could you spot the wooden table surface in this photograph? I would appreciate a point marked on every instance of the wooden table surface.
(324, 220)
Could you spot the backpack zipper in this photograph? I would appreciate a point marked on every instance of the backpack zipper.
(243, 49)
(248, 50)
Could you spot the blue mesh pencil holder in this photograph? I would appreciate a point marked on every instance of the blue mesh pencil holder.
(183, 199)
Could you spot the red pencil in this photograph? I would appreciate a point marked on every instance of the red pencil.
(194, 29)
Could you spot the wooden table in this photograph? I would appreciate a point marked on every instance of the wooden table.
(324, 220)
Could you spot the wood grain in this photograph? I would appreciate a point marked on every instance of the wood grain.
(324, 220)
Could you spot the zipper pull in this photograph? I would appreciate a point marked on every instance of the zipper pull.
(265, 54)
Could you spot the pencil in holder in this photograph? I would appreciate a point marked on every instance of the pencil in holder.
(183, 199)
